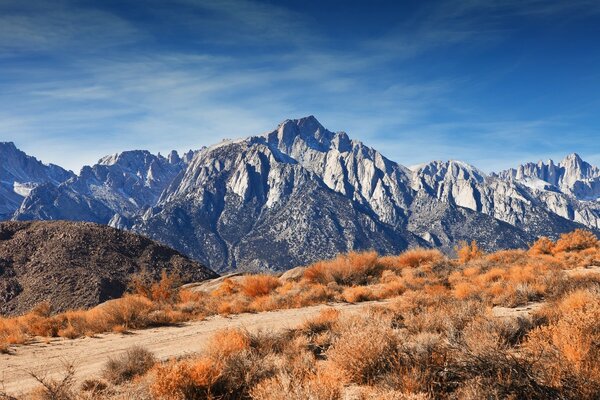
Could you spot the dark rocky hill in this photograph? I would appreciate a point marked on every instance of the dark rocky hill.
(74, 264)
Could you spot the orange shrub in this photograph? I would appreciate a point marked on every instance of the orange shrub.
(227, 342)
(356, 294)
(166, 289)
(542, 246)
(569, 345)
(188, 296)
(468, 251)
(173, 381)
(346, 269)
(412, 258)
(364, 350)
(463, 290)
(577, 240)
(204, 372)
(227, 288)
(259, 285)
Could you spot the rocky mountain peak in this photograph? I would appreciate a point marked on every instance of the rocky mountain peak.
(20, 174)
(307, 130)
(173, 157)
(572, 176)
(571, 159)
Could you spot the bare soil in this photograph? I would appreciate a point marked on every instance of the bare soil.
(89, 355)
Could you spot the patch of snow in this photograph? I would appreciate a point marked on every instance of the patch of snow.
(468, 167)
(22, 189)
(417, 167)
(534, 183)
(225, 142)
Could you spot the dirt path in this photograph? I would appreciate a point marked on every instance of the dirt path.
(88, 355)
(515, 312)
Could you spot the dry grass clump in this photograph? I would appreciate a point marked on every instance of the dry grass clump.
(569, 344)
(412, 258)
(542, 246)
(468, 251)
(134, 362)
(357, 294)
(364, 350)
(577, 240)
(353, 268)
(259, 285)
(163, 290)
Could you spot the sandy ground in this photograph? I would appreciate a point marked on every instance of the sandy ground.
(583, 271)
(515, 312)
(89, 355)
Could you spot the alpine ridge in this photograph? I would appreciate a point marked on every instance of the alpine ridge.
(301, 193)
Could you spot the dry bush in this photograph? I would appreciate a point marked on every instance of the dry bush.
(167, 289)
(364, 350)
(174, 381)
(228, 342)
(569, 345)
(356, 294)
(468, 251)
(412, 258)
(93, 386)
(353, 268)
(259, 285)
(183, 380)
(542, 246)
(320, 384)
(577, 240)
(10, 333)
(164, 290)
(324, 321)
(134, 362)
(319, 332)
(55, 389)
(130, 311)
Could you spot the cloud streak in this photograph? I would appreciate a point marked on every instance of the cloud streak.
(79, 81)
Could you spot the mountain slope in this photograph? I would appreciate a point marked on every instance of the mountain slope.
(77, 264)
(111, 192)
(457, 183)
(247, 205)
(260, 203)
(20, 174)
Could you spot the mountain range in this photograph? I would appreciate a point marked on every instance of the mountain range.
(301, 193)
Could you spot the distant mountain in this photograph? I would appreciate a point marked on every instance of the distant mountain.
(111, 192)
(301, 193)
(20, 174)
(74, 264)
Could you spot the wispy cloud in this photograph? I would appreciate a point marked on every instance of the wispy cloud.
(80, 80)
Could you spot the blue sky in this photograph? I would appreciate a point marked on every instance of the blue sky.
(493, 83)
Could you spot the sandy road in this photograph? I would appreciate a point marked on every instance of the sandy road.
(88, 355)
